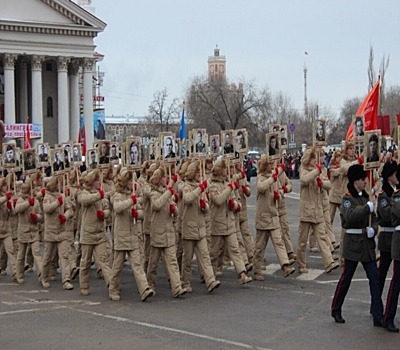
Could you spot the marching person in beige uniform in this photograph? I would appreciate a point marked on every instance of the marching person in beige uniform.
(29, 219)
(245, 192)
(195, 205)
(71, 224)
(162, 236)
(223, 220)
(57, 211)
(311, 213)
(146, 205)
(12, 222)
(267, 218)
(93, 240)
(286, 186)
(335, 193)
(125, 236)
(5, 231)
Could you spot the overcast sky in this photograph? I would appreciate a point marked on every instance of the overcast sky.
(149, 45)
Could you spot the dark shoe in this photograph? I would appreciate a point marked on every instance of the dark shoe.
(338, 318)
(378, 323)
(390, 327)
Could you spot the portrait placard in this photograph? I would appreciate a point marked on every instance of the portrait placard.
(358, 127)
(77, 154)
(372, 149)
(272, 141)
(103, 148)
(168, 147)
(42, 150)
(9, 156)
(227, 137)
(132, 152)
(67, 155)
(151, 151)
(29, 160)
(241, 142)
(178, 147)
(92, 158)
(114, 153)
(284, 137)
(319, 133)
(199, 142)
(18, 159)
(57, 160)
(214, 145)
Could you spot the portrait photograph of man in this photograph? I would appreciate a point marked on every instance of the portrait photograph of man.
(151, 147)
(319, 134)
(114, 153)
(169, 147)
(77, 154)
(372, 148)
(92, 158)
(214, 145)
(284, 138)
(104, 152)
(43, 153)
(227, 139)
(29, 163)
(132, 152)
(9, 157)
(241, 141)
(57, 160)
(199, 141)
(358, 123)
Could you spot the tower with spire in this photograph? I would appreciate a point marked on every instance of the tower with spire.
(217, 66)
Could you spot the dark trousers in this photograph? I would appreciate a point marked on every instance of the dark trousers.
(393, 293)
(384, 264)
(343, 286)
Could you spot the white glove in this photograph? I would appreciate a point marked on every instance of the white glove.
(370, 232)
(371, 206)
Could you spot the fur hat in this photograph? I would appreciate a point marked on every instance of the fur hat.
(262, 163)
(152, 168)
(307, 156)
(157, 176)
(183, 169)
(91, 177)
(192, 169)
(389, 169)
(52, 184)
(356, 172)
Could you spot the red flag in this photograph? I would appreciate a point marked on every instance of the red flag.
(369, 109)
(27, 136)
(384, 124)
(82, 138)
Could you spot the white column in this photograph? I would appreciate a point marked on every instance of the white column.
(88, 100)
(9, 88)
(62, 97)
(22, 92)
(37, 93)
(74, 99)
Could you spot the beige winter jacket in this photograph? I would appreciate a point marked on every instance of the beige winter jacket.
(266, 209)
(125, 227)
(28, 231)
(193, 217)
(311, 206)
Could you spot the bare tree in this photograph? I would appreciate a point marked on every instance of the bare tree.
(161, 113)
(218, 105)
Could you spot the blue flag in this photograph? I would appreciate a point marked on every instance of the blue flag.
(182, 135)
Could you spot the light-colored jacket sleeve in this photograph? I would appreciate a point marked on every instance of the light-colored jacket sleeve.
(190, 196)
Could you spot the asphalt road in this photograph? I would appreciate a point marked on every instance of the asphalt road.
(278, 313)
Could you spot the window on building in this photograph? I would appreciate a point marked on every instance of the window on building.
(49, 107)
(49, 67)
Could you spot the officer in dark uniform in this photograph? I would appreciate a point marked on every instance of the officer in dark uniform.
(358, 244)
(394, 289)
(389, 182)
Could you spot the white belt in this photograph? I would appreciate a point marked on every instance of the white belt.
(355, 231)
(397, 228)
(388, 229)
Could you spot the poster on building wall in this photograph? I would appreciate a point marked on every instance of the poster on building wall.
(99, 124)
(17, 130)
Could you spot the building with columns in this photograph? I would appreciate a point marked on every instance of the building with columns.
(47, 61)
